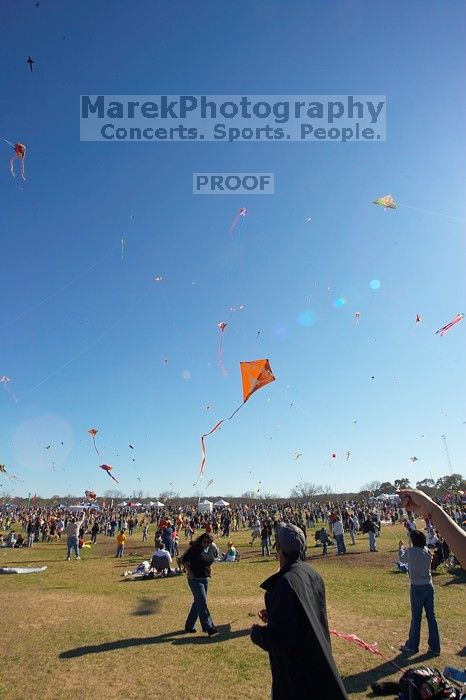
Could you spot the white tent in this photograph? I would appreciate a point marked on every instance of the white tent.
(221, 503)
(159, 505)
(205, 506)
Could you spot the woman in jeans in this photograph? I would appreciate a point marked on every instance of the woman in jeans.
(419, 560)
(197, 561)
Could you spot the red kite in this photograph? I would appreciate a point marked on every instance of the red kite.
(20, 153)
(254, 375)
(93, 432)
(107, 468)
(242, 212)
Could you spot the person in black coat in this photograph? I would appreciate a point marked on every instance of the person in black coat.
(296, 633)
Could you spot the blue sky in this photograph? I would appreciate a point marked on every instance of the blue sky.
(91, 340)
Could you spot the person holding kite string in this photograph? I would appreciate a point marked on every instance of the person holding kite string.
(72, 533)
(295, 631)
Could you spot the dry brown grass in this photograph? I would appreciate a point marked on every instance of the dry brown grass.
(81, 629)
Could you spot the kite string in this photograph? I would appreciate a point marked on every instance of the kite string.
(319, 425)
(61, 289)
(85, 349)
(430, 211)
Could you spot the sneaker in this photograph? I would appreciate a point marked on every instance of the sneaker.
(213, 631)
(193, 631)
(68, 558)
(431, 652)
(78, 557)
(406, 650)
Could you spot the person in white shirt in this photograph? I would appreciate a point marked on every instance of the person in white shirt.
(72, 532)
(161, 560)
(339, 532)
(256, 530)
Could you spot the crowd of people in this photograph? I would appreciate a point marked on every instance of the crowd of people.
(295, 606)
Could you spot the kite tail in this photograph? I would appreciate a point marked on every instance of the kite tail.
(372, 648)
(11, 167)
(22, 169)
(235, 221)
(216, 427)
(112, 477)
(95, 447)
(220, 354)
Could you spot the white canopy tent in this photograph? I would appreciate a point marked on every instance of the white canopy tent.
(205, 506)
(158, 504)
(221, 503)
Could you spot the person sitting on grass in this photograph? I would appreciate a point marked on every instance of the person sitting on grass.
(11, 539)
(231, 554)
(161, 561)
(402, 567)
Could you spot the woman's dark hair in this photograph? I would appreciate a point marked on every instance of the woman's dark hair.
(197, 543)
(418, 538)
(205, 536)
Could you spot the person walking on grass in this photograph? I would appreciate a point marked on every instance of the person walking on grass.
(121, 539)
(72, 534)
(324, 541)
(265, 539)
(369, 528)
(295, 631)
(419, 560)
(197, 561)
(339, 532)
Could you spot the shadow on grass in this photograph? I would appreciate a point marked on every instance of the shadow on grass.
(265, 560)
(359, 682)
(457, 576)
(148, 606)
(333, 554)
(462, 652)
(177, 637)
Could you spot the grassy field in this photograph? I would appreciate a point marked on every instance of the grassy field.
(82, 629)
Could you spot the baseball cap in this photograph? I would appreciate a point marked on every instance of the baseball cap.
(290, 538)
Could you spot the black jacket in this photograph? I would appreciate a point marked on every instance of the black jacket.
(297, 637)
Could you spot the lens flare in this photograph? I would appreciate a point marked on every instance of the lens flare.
(307, 318)
(375, 284)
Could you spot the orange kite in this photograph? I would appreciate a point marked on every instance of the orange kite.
(254, 375)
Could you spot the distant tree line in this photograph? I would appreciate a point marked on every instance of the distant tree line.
(304, 491)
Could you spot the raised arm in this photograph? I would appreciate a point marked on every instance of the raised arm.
(413, 499)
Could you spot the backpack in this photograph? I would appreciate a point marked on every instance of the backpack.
(425, 683)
